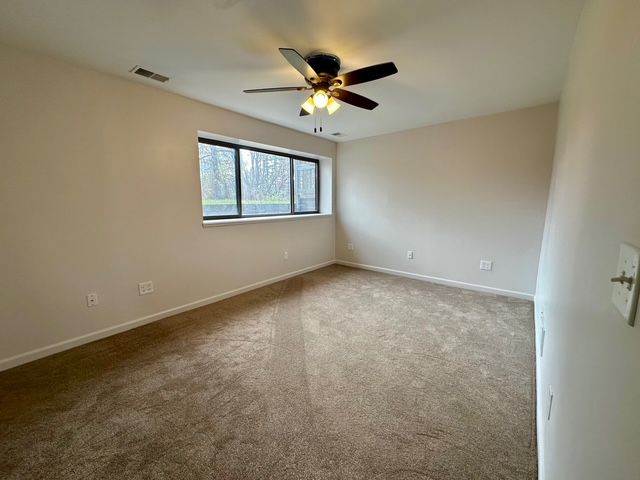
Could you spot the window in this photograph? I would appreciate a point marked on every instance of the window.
(266, 183)
(240, 181)
(218, 176)
(305, 181)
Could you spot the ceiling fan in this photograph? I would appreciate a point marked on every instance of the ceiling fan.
(320, 71)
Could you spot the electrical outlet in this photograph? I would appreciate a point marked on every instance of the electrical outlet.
(349, 246)
(550, 405)
(285, 255)
(410, 254)
(486, 265)
(145, 288)
(92, 299)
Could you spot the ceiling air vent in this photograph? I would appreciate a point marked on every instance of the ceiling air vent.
(138, 70)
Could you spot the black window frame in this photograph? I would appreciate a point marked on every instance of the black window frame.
(236, 147)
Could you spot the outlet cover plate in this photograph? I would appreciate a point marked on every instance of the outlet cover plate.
(92, 299)
(145, 288)
(486, 265)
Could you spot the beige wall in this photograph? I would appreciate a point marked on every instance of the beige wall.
(591, 356)
(454, 193)
(100, 190)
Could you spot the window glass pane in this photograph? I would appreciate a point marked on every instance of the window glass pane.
(305, 176)
(266, 183)
(218, 180)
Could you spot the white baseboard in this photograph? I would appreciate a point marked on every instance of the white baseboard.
(441, 281)
(32, 355)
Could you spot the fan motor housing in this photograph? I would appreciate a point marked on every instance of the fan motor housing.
(325, 64)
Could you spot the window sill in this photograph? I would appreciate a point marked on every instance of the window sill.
(278, 218)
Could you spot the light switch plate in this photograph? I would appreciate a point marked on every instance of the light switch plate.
(625, 296)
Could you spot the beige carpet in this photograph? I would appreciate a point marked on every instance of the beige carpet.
(336, 374)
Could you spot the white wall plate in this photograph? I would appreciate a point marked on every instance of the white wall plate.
(625, 295)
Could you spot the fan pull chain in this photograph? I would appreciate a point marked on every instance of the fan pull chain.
(318, 118)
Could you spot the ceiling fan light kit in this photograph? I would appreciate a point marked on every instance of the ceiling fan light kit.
(332, 106)
(320, 71)
(320, 98)
(309, 106)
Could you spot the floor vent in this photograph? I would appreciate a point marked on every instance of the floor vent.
(138, 70)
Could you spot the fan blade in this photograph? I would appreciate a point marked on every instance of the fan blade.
(354, 99)
(275, 89)
(303, 112)
(298, 62)
(367, 74)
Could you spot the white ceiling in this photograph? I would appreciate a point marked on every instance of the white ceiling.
(456, 58)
